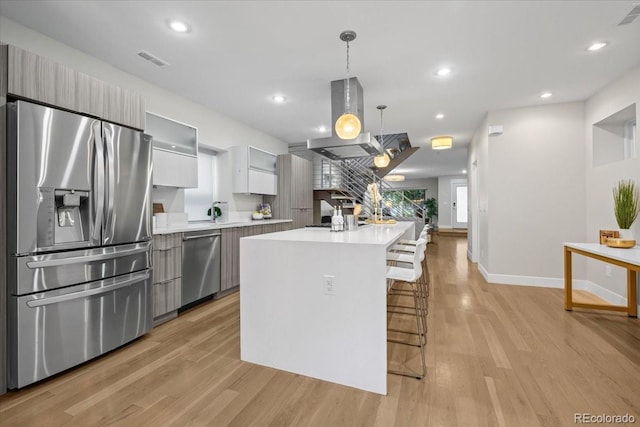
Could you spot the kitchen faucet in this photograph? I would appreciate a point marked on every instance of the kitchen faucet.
(215, 214)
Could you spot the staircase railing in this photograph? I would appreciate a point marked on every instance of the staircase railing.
(349, 180)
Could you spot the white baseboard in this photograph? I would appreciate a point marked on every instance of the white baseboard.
(604, 293)
(469, 255)
(554, 282)
(483, 271)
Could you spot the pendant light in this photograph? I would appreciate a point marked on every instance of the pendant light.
(441, 142)
(383, 160)
(348, 124)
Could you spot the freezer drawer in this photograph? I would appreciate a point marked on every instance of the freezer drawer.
(56, 330)
(39, 273)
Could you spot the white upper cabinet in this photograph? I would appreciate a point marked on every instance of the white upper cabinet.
(254, 171)
(175, 152)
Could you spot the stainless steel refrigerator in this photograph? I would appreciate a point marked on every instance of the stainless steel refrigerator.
(79, 239)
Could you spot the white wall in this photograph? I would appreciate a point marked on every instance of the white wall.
(479, 196)
(600, 180)
(214, 129)
(444, 199)
(537, 188)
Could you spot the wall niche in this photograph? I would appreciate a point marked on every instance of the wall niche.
(614, 138)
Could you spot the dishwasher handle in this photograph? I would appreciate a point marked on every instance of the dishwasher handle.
(184, 239)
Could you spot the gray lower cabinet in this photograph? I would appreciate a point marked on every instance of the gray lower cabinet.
(230, 246)
(167, 274)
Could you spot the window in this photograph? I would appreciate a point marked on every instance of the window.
(197, 201)
(404, 203)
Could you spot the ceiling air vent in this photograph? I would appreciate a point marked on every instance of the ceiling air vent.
(153, 59)
(631, 16)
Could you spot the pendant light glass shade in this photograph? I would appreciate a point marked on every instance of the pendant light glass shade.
(348, 126)
(441, 142)
(382, 161)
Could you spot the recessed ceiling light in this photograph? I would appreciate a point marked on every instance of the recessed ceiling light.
(321, 128)
(596, 46)
(464, 171)
(544, 95)
(439, 116)
(178, 26)
(444, 71)
(278, 99)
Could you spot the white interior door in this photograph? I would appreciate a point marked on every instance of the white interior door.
(459, 205)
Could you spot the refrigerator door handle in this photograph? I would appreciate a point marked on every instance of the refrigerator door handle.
(85, 258)
(110, 182)
(137, 277)
(98, 189)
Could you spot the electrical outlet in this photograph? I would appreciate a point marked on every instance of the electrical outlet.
(607, 270)
(328, 285)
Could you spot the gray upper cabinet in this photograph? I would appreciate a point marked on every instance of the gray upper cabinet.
(36, 78)
(295, 190)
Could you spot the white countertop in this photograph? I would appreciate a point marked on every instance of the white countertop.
(372, 234)
(204, 225)
(631, 255)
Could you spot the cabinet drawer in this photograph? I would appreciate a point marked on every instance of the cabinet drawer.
(167, 264)
(167, 241)
(166, 296)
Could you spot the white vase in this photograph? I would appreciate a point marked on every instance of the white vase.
(626, 234)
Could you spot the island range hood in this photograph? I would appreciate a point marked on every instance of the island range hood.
(335, 148)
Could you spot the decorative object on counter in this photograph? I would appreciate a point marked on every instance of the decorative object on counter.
(348, 125)
(374, 192)
(257, 215)
(265, 210)
(608, 234)
(337, 221)
(626, 207)
(350, 223)
(621, 243)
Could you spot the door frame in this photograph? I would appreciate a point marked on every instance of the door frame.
(455, 183)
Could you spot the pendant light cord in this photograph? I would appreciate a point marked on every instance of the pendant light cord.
(348, 106)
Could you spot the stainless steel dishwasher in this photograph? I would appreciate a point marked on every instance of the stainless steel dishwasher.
(200, 265)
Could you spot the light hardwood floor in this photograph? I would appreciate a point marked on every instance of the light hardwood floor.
(497, 356)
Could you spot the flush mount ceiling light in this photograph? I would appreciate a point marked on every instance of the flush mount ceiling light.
(321, 129)
(348, 125)
(383, 160)
(441, 142)
(596, 46)
(178, 26)
(439, 116)
(544, 95)
(394, 178)
(278, 99)
(443, 72)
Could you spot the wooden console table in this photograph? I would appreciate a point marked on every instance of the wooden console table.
(626, 258)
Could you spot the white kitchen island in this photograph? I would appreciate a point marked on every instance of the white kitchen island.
(292, 319)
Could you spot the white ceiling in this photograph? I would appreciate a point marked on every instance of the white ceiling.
(240, 53)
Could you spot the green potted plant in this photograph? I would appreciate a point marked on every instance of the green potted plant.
(626, 206)
(432, 208)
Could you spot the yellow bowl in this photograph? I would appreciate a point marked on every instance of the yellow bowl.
(620, 243)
